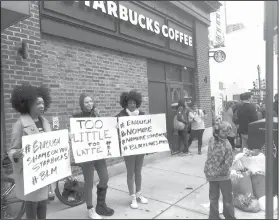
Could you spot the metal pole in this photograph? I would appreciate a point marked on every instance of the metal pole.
(225, 10)
(278, 90)
(269, 110)
(259, 78)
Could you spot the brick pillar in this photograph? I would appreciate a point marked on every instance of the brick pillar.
(15, 69)
(203, 93)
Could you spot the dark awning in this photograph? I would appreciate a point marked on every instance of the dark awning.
(13, 12)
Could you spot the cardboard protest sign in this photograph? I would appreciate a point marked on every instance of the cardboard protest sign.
(143, 134)
(94, 138)
(46, 159)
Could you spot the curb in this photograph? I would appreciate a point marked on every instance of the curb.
(120, 168)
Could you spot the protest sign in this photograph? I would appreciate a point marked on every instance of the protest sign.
(143, 134)
(94, 138)
(46, 159)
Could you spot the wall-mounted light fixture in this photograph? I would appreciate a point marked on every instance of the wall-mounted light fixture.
(205, 79)
(23, 50)
(185, 68)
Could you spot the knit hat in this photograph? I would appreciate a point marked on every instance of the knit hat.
(223, 127)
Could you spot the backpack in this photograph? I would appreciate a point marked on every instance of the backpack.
(178, 125)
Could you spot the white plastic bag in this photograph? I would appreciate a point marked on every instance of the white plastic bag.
(262, 203)
(255, 164)
(238, 156)
(237, 165)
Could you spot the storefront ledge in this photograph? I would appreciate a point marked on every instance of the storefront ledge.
(120, 168)
(13, 12)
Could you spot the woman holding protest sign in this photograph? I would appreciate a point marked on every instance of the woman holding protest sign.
(130, 103)
(89, 110)
(31, 102)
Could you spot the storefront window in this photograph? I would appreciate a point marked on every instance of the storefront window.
(175, 94)
(173, 73)
(187, 75)
(188, 91)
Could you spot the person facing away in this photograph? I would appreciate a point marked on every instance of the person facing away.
(182, 113)
(236, 107)
(89, 110)
(197, 117)
(130, 102)
(217, 171)
(245, 115)
(31, 102)
(228, 117)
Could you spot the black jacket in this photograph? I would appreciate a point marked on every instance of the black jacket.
(246, 114)
(124, 113)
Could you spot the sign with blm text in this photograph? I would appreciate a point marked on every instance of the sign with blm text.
(143, 134)
(46, 159)
(94, 138)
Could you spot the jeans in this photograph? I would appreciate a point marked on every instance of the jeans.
(214, 194)
(183, 134)
(36, 210)
(88, 174)
(198, 135)
(134, 165)
(244, 140)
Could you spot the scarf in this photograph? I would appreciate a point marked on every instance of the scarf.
(134, 113)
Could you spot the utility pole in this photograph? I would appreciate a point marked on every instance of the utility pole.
(269, 29)
(225, 10)
(259, 78)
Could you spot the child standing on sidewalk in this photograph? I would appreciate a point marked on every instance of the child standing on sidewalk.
(217, 171)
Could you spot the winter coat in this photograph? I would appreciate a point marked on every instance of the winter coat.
(245, 115)
(219, 160)
(25, 126)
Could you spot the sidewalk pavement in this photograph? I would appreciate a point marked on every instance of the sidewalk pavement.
(175, 187)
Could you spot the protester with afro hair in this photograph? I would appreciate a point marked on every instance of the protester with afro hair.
(31, 102)
(130, 102)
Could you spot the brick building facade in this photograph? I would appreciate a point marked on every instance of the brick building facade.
(70, 66)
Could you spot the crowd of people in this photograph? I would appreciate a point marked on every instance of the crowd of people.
(234, 122)
(189, 125)
(32, 102)
(241, 114)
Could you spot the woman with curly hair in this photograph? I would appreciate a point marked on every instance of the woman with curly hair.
(31, 102)
(130, 102)
(89, 110)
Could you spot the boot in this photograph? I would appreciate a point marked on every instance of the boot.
(101, 207)
(199, 150)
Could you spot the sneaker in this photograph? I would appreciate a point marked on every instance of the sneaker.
(93, 215)
(186, 154)
(141, 199)
(51, 196)
(134, 204)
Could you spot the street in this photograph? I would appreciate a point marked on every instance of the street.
(175, 186)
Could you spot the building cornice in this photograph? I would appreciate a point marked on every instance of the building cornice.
(191, 6)
(213, 5)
